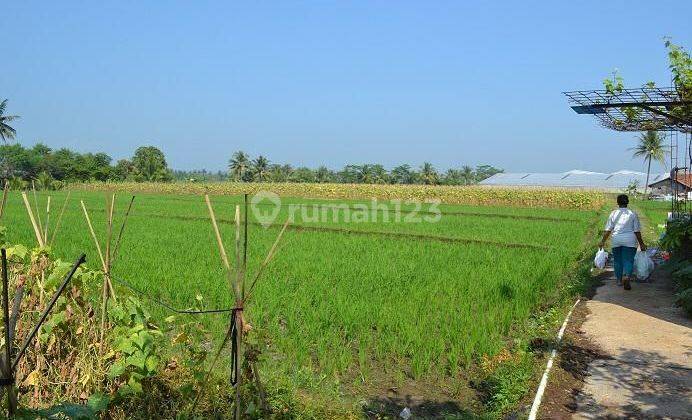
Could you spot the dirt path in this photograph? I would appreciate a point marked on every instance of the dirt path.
(638, 354)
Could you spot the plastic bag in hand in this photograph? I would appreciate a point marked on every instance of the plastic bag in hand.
(643, 265)
(601, 258)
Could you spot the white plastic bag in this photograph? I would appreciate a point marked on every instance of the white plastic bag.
(600, 260)
(643, 265)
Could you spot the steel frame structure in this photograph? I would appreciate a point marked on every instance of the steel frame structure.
(663, 109)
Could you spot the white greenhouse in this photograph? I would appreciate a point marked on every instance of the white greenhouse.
(616, 181)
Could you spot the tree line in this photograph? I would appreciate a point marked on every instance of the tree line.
(241, 168)
(50, 169)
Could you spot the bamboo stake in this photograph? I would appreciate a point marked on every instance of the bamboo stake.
(109, 260)
(57, 223)
(37, 231)
(116, 248)
(93, 235)
(106, 273)
(5, 191)
(109, 232)
(239, 342)
(245, 234)
(268, 258)
(239, 289)
(45, 228)
(38, 214)
(219, 242)
(239, 319)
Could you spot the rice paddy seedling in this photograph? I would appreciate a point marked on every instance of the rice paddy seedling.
(350, 301)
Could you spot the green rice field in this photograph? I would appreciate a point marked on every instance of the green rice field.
(343, 299)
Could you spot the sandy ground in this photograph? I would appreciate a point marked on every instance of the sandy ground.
(644, 342)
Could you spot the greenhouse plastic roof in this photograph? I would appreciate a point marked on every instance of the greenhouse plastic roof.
(573, 179)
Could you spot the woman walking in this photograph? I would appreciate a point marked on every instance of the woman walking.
(624, 229)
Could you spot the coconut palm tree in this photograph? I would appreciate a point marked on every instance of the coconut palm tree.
(650, 147)
(260, 169)
(239, 165)
(428, 174)
(6, 131)
(467, 174)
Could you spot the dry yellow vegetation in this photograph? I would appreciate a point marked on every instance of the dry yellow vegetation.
(471, 195)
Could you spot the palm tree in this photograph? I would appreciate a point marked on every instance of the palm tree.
(6, 131)
(323, 174)
(428, 174)
(650, 147)
(238, 165)
(467, 174)
(260, 169)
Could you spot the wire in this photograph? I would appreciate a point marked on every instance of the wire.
(168, 305)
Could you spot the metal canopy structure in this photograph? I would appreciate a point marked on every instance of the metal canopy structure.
(664, 109)
(641, 109)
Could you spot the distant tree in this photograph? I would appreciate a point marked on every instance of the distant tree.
(467, 174)
(324, 174)
(378, 173)
(61, 164)
(350, 174)
(260, 169)
(123, 170)
(402, 174)
(486, 171)
(280, 173)
(150, 164)
(238, 166)
(372, 174)
(6, 131)
(453, 177)
(17, 162)
(303, 174)
(99, 166)
(44, 181)
(650, 147)
(41, 150)
(428, 174)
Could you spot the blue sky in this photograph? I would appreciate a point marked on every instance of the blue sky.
(332, 83)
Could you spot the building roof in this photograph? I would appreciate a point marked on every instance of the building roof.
(573, 179)
(685, 180)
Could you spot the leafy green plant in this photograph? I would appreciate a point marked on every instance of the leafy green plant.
(135, 346)
(189, 353)
(614, 85)
(678, 232)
